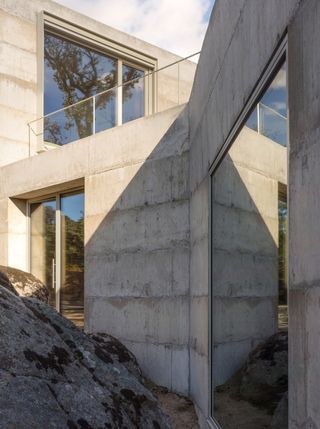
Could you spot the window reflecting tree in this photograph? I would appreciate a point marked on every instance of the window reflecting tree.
(132, 94)
(74, 73)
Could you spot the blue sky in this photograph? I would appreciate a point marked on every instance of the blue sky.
(176, 25)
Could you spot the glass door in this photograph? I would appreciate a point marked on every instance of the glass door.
(72, 257)
(57, 251)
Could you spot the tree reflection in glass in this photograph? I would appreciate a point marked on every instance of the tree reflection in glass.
(74, 73)
(133, 93)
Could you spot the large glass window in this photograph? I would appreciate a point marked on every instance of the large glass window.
(249, 319)
(74, 73)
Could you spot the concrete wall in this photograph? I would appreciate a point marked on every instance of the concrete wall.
(250, 29)
(304, 215)
(20, 71)
(136, 186)
(153, 225)
(245, 229)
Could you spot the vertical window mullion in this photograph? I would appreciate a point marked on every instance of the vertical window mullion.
(119, 95)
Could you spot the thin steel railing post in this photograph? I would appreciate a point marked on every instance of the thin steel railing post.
(178, 83)
(29, 136)
(94, 115)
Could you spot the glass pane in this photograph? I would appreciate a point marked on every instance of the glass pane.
(72, 257)
(269, 118)
(275, 96)
(249, 371)
(132, 93)
(105, 110)
(252, 122)
(272, 124)
(73, 123)
(283, 279)
(43, 244)
(72, 73)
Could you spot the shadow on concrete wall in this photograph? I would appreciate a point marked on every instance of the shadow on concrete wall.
(244, 264)
(137, 257)
(137, 261)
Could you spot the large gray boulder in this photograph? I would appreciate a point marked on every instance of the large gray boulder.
(25, 284)
(54, 376)
(264, 377)
(280, 416)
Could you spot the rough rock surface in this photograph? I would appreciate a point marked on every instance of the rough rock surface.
(256, 396)
(264, 378)
(280, 416)
(54, 376)
(178, 408)
(5, 282)
(25, 284)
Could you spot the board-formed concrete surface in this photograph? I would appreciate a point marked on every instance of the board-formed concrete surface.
(239, 44)
(152, 205)
(136, 187)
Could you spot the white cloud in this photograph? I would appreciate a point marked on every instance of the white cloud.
(176, 25)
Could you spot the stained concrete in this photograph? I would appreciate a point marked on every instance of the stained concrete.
(239, 43)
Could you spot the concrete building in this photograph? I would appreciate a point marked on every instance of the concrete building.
(155, 217)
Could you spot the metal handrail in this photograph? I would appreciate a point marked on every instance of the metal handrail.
(273, 110)
(112, 89)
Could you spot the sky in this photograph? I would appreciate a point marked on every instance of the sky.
(176, 25)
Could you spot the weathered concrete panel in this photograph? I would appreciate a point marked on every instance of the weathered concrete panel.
(199, 325)
(155, 359)
(304, 214)
(17, 32)
(147, 274)
(157, 320)
(142, 228)
(199, 382)
(16, 94)
(257, 273)
(155, 182)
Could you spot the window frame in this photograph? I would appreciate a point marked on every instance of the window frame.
(124, 55)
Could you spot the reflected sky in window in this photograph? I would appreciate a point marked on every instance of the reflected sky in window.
(269, 118)
(276, 95)
(133, 93)
(73, 72)
(73, 206)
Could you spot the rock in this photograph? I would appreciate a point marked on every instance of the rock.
(25, 284)
(54, 376)
(264, 377)
(280, 417)
(5, 282)
(255, 396)
(118, 351)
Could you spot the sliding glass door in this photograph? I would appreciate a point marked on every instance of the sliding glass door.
(57, 251)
